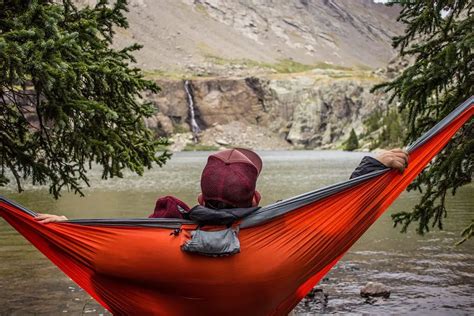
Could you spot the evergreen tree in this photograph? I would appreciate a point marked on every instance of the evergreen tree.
(67, 98)
(439, 38)
(352, 142)
(392, 131)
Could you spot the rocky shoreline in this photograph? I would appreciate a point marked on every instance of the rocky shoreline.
(316, 301)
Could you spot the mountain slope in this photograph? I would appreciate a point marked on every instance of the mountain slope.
(185, 35)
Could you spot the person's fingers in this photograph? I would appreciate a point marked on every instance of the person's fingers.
(396, 158)
(401, 155)
(46, 221)
(48, 218)
(397, 164)
(42, 216)
(397, 150)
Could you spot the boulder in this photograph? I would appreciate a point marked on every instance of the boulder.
(315, 301)
(222, 142)
(375, 289)
(164, 123)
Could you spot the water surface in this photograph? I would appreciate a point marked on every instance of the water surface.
(427, 274)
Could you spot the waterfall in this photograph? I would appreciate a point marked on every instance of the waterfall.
(192, 115)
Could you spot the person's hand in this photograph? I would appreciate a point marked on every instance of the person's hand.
(49, 218)
(394, 158)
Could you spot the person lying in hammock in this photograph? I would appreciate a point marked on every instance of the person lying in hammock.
(229, 181)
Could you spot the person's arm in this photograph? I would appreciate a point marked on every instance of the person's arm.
(166, 207)
(395, 158)
(50, 218)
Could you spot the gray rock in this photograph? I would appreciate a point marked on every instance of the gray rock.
(315, 301)
(222, 142)
(164, 123)
(375, 289)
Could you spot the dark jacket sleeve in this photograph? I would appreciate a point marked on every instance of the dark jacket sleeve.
(367, 165)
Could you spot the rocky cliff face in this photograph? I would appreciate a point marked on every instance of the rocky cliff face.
(315, 110)
(319, 112)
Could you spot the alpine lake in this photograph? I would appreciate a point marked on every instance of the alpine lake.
(426, 274)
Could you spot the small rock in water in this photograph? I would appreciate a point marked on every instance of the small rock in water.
(370, 300)
(375, 289)
(316, 298)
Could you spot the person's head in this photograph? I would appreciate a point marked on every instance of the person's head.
(229, 179)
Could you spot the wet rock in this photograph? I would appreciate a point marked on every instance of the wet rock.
(370, 300)
(375, 289)
(315, 301)
(317, 295)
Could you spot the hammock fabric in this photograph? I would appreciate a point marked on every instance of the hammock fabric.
(136, 266)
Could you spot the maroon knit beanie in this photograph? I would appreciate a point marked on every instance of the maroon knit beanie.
(170, 207)
(230, 176)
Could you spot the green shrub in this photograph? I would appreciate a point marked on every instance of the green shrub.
(352, 142)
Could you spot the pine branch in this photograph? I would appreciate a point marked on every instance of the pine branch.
(440, 78)
(68, 99)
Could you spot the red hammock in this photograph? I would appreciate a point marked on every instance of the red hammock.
(136, 266)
